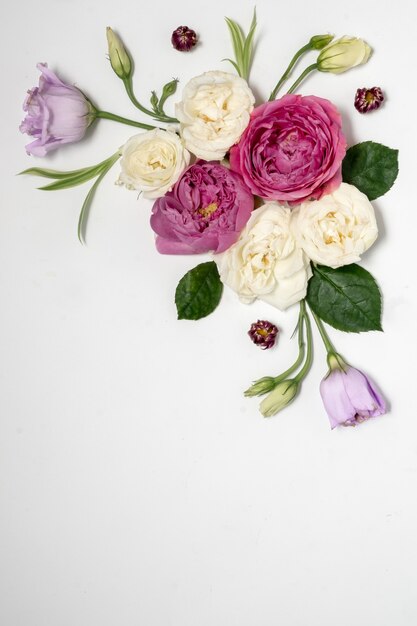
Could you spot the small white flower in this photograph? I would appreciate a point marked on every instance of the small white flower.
(152, 162)
(342, 54)
(214, 111)
(265, 262)
(336, 229)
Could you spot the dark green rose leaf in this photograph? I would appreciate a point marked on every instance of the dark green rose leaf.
(347, 298)
(198, 292)
(371, 167)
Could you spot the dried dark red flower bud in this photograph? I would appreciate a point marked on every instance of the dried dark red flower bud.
(368, 99)
(263, 334)
(183, 38)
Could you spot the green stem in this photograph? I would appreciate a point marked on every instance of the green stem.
(105, 115)
(309, 359)
(323, 333)
(301, 349)
(129, 90)
(289, 69)
(300, 79)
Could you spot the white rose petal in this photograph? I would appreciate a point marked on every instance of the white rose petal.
(214, 111)
(153, 161)
(265, 262)
(336, 229)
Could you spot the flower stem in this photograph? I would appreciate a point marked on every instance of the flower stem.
(123, 120)
(289, 69)
(160, 117)
(300, 79)
(309, 358)
(323, 333)
(301, 348)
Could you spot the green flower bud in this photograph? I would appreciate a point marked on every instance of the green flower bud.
(154, 101)
(342, 54)
(168, 90)
(119, 58)
(279, 397)
(320, 41)
(261, 386)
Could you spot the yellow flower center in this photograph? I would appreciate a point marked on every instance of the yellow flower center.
(208, 210)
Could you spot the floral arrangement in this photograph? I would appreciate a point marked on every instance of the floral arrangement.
(270, 189)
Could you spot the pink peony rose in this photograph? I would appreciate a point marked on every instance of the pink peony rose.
(292, 149)
(206, 210)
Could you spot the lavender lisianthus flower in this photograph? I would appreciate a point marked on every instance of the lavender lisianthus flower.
(205, 211)
(349, 396)
(56, 113)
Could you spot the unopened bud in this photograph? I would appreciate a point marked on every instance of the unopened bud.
(279, 397)
(318, 42)
(261, 386)
(342, 54)
(119, 58)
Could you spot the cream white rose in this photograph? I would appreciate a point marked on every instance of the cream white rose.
(336, 229)
(214, 111)
(265, 262)
(342, 54)
(153, 161)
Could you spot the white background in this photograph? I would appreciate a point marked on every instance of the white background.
(138, 486)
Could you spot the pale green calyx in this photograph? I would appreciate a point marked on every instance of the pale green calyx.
(336, 362)
(318, 42)
(119, 58)
(279, 397)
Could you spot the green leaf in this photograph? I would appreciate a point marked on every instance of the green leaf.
(371, 167)
(82, 221)
(347, 298)
(73, 181)
(235, 65)
(199, 291)
(56, 174)
(242, 46)
(248, 47)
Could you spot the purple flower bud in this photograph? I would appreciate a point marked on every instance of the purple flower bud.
(183, 38)
(368, 99)
(56, 113)
(263, 334)
(348, 395)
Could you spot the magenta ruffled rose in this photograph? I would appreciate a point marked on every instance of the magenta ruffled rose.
(292, 149)
(206, 210)
(56, 113)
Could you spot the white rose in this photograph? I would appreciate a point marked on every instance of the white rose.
(214, 111)
(265, 262)
(336, 229)
(152, 162)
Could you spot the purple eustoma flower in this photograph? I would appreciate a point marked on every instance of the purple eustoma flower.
(206, 210)
(56, 113)
(348, 395)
